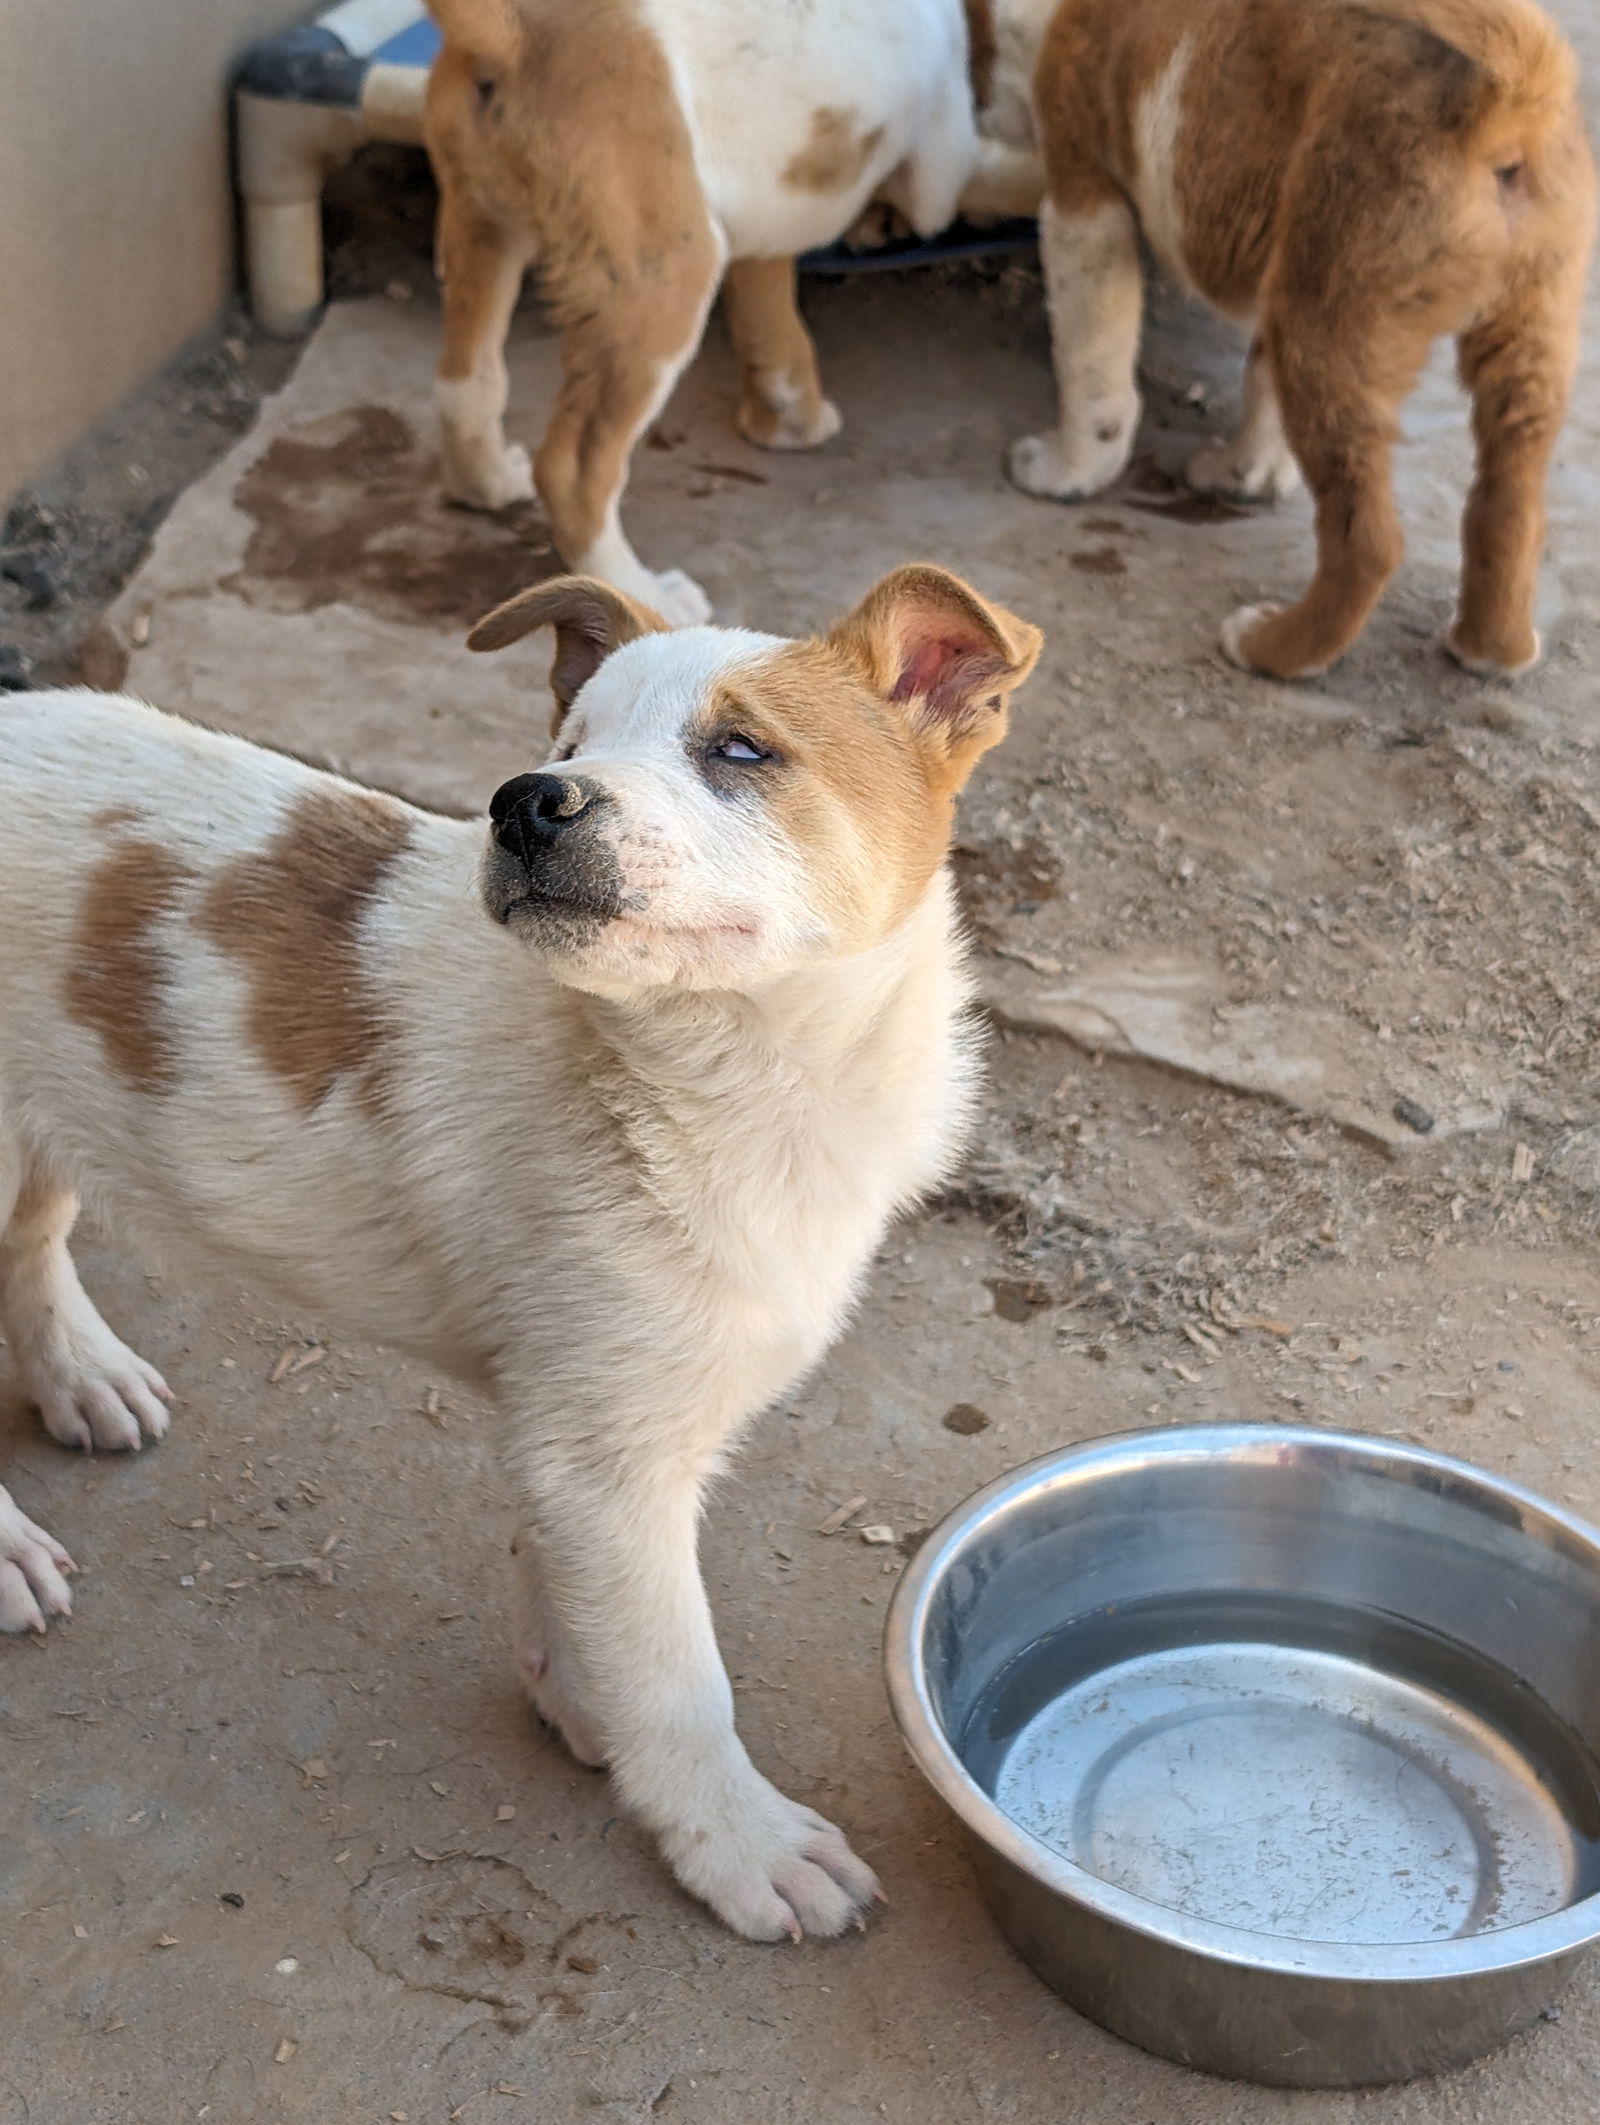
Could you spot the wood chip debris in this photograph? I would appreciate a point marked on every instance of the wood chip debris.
(317, 1568)
(311, 1770)
(505, 1812)
(166, 1940)
(1521, 1165)
(287, 2047)
(293, 1360)
(837, 1518)
(878, 1536)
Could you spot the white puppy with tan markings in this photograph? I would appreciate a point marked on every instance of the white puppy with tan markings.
(605, 1118)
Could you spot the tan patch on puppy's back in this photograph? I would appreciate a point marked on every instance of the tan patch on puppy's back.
(292, 914)
(835, 154)
(117, 977)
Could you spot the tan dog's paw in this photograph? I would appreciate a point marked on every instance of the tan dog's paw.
(1237, 627)
(795, 425)
(33, 1568)
(1486, 667)
(774, 1870)
(1248, 639)
(496, 487)
(1224, 469)
(1039, 465)
(93, 1392)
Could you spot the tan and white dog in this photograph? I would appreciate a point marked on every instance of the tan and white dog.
(637, 153)
(605, 1114)
(1352, 182)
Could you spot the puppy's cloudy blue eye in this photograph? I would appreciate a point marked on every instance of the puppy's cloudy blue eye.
(736, 746)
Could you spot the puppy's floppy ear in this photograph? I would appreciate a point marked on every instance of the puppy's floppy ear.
(930, 645)
(590, 618)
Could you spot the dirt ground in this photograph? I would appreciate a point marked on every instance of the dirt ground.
(1292, 1116)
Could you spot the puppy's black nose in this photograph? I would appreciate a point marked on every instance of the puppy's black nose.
(531, 811)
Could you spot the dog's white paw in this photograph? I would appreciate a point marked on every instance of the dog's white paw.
(1039, 465)
(678, 598)
(94, 1392)
(33, 1568)
(494, 486)
(1224, 469)
(772, 1869)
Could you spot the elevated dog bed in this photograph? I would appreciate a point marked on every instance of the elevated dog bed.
(308, 98)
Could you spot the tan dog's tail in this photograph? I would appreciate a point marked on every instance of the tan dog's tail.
(489, 31)
(1523, 80)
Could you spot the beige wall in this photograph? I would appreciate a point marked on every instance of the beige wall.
(116, 213)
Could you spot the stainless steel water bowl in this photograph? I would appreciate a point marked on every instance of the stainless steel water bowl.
(1279, 1750)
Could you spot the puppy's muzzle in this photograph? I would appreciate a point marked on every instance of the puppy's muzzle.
(531, 813)
(552, 864)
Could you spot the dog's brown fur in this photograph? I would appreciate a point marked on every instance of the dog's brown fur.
(117, 972)
(292, 914)
(1357, 181)
(570, 150)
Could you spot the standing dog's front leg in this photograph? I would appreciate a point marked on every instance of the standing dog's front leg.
(619, 1570)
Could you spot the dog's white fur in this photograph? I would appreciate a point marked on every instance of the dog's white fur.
(627, 1184)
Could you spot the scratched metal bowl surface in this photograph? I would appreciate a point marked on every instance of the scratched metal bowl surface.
(1279, 1750)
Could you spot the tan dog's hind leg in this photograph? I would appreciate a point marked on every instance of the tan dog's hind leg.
(1005, 181)
(781, 406)
(1518, 365)
(616, 1533)
(620, 362)
(1257, 465)
(482, 268)
(91, 1390)
(1339, 408)
(1091, 270)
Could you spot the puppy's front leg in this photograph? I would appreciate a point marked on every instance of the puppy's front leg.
(1091, 272)
(620, 1571)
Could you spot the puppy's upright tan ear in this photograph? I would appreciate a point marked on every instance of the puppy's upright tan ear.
(590, 618)
(928, 643)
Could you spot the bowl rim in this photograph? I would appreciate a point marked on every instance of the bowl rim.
(1556, 1934)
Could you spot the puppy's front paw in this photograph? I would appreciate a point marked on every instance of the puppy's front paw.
(33, 1568)
(93, 1392)
(772, 1869)
(678, 598)
(494, 486)
(1224, 469)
